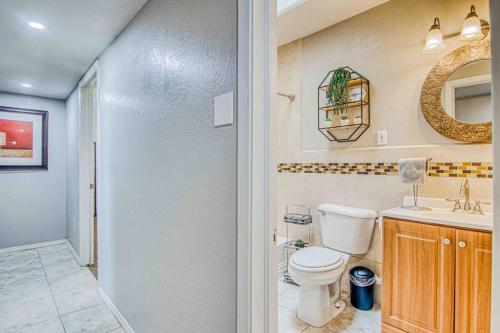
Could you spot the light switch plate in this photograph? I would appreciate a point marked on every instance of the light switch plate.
(223, 110)
(382, 137)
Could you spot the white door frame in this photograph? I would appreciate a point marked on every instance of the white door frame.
(256, 268)
(495, 71)
(86, 123)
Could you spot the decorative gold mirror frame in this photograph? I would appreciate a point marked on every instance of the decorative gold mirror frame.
(430, 97)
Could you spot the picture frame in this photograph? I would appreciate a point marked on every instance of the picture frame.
(23, 139)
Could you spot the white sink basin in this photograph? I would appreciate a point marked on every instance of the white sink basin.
(441, 213)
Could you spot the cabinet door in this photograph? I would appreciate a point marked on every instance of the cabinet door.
(419, 276)
(473, 285)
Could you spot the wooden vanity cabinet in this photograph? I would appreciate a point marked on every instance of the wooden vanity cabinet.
(473, 281)
(436, 279)
(418, 277)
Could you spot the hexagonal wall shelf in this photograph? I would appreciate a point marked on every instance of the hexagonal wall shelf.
(344, 122)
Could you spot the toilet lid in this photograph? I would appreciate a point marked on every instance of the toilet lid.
(317, 259)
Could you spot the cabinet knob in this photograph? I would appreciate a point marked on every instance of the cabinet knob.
(461, 244)
(446, 241)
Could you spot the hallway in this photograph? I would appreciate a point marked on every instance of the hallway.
(44, 290)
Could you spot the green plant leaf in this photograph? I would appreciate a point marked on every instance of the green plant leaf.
(338, 90)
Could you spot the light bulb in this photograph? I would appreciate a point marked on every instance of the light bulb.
(434, 40)
(471, 29)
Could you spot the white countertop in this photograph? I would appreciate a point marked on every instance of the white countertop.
(442, 214)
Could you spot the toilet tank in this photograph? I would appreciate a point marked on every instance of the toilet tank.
(345, 228)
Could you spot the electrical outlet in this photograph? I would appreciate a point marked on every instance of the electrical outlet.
(382, 137)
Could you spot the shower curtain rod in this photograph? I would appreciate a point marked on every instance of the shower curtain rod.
(291, 97)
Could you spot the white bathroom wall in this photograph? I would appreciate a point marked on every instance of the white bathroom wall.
(384, 44)
(33, 203)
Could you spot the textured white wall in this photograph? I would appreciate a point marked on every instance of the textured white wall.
(33, 203)
(385, 45)
(72, 169)
(167, 180)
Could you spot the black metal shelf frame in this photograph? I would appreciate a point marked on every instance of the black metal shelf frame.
(350, 132)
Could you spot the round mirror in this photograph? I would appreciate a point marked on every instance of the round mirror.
(456, 95)
(466, 95)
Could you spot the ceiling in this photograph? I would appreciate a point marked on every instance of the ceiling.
(52, 60)
(309, 16)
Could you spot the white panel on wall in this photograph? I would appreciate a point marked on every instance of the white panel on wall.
(223, 110)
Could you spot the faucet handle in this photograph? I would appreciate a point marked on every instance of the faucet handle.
(477, 207)
(457, 206)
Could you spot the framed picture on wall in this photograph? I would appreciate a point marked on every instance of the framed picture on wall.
(23, 139)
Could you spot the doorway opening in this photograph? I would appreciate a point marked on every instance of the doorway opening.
(93, 185)
(88, 170)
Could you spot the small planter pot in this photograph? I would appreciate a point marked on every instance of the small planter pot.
(328, 123)
(357, 120)
(344, 122)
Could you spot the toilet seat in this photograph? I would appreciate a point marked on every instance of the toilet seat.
(317, 259)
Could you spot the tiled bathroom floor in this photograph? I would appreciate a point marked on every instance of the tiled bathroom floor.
(44, 290)
(350, 320)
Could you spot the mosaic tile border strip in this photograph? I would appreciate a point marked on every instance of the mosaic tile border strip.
(436, 169)
(461, 169)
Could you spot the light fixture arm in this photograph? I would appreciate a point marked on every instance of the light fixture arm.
(472, 12)
(485, 27)
(436, 25)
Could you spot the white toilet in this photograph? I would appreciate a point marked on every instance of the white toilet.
(345, 230)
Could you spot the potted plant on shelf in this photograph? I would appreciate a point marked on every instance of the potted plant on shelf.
(344, 120)
(337, 93)
(357, 120)
(300, 244)
(328, 121)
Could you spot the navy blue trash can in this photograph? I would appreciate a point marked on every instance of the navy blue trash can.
(362, 282)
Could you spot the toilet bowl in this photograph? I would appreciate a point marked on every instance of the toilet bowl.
(314, 269)
(345, 230)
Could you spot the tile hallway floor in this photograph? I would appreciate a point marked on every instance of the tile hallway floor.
(44, 290)
(349, 321)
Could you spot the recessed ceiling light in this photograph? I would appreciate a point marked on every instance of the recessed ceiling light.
(26, 85)
(36, 25)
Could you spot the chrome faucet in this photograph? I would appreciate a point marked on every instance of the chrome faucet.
(465, 193)
(467, 208)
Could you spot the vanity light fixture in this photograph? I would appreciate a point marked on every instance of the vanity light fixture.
(473, 29)
(434, 40)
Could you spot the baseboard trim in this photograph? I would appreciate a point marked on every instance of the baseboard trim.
(73, 252)
(32, 246)
(115, 311)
